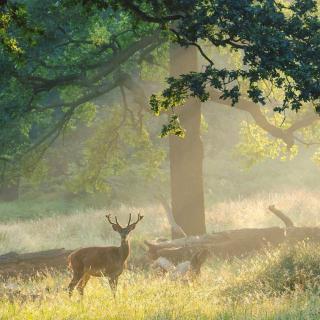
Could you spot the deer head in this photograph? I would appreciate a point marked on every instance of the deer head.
(123, 231)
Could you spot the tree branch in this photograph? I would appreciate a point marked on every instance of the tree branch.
(255, 111)
(285, 219)
(41, 84)
(128, 4)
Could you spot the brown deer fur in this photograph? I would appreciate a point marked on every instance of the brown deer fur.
(101, 261)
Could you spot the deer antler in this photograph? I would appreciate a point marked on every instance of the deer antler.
(117, 221)
(108, 216)
(129, 220)
(138, 219)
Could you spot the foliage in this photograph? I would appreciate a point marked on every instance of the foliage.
(256, 145)
(116, 154)
(69, 56)
(15, 16)
(279, 43)
(80, 55)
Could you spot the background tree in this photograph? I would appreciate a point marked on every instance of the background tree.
(80, 54)
(271, 37)
(277, 42)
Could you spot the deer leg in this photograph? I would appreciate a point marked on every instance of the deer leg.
(74, 281)
(113, 282)
(82, 283)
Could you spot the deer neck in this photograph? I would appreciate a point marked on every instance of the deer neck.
(124, 249)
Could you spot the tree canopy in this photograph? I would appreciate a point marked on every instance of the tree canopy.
(58, 58)
(54, 83)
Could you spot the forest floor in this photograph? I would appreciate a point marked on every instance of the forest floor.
(281, 283)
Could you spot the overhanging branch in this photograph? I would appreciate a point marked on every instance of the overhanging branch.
(255, 111)
(128, 4)
(40, 84)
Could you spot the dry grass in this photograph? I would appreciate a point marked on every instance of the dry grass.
(250, 289)
(88, 227)
(301, 205)
(223, 291)
(77, 230)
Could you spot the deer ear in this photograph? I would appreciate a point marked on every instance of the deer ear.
(115, 227)
(131, 227)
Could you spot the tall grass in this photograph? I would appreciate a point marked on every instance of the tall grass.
(85, 227)
(77, 230)
(225, 290)
(278, 284)
(302, 206)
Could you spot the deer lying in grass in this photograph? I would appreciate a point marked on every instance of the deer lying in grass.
(101, 261)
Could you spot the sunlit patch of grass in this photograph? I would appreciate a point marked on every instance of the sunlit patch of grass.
(88, 227)
(302, 206)
(81, 229)
(142, 296)
(277, 284)
(225, 290)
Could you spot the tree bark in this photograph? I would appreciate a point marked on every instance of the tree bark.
(186, 155)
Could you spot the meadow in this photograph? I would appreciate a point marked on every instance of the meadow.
(282, 283)
(256, 288)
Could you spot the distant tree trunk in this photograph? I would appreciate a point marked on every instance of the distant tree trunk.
(186, 155)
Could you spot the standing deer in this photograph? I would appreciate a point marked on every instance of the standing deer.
(101, 261)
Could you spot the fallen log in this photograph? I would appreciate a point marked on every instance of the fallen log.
(27, 265)
(226, 244)
(233, 243)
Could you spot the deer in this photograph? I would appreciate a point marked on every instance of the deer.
(101, 261)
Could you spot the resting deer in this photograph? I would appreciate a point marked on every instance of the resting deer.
(101, 261)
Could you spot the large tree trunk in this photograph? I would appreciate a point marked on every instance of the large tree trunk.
(186, 155)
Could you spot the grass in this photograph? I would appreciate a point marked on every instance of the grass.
(278, 284)
(85, 227)
(221, 292)
(301, 205)
(48, 205)
(237, 212)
